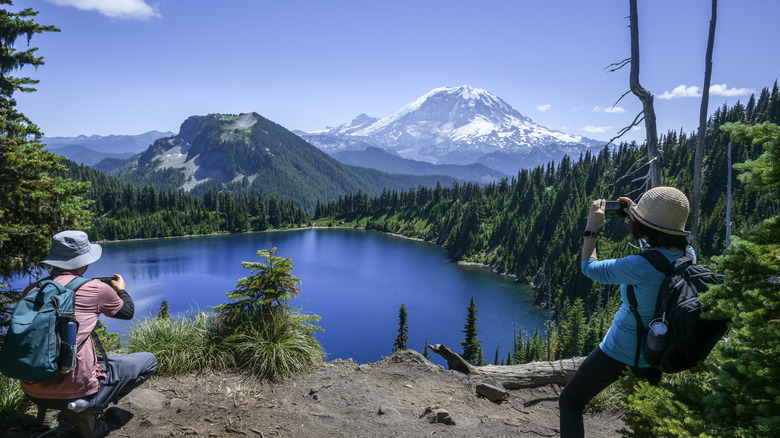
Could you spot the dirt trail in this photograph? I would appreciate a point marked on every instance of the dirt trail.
(402, 396)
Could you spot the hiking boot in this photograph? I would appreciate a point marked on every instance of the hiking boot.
(86, 424)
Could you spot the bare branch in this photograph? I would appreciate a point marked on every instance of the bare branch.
(623, 131)
(631, 171)
(618, 65)
(621, 98)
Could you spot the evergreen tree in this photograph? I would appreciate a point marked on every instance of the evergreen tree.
(571, 330)
(34, 205)
(472, 347)
(163, 312)
(403, 329)
(426, 353)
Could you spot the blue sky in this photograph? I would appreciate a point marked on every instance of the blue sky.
(130, 66)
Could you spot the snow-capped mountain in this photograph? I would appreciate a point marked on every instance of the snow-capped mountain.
(455, 125)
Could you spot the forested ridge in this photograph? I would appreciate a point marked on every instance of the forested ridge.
(126, 211)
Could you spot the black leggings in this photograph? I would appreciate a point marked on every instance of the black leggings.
(596, 373)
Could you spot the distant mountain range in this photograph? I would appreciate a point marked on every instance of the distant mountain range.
(92, 149)
(455, 125)
(90, 157)
(246, 153)
(378, 158)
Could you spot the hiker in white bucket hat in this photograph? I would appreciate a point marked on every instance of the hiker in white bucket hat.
(96, 382)
(658, 220)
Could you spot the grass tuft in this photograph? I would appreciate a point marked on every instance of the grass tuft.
(181, 344)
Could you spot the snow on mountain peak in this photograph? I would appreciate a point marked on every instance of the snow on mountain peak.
(452, 124)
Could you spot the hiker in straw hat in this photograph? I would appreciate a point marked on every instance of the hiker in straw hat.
(94, 381)
(658, 220)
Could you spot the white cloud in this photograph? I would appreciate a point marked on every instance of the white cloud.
(577, 108)
(681, 91)
(121, 9)
(614, 110)
(715, 90)
(723, 90)
(597, 129)
(543, 107)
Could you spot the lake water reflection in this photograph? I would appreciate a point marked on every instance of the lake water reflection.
(355, 280)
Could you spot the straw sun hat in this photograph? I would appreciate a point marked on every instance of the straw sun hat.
(664, 209)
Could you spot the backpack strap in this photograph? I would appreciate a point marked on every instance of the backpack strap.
(640, 329)
(661, 264)
(74, 285)
(99, 344)
(658, 260)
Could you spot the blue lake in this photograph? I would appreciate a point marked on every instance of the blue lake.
(355, 280)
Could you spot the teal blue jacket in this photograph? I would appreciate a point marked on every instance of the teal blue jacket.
(620, 340)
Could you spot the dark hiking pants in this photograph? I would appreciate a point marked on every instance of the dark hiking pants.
(596, 373)
(123, 374)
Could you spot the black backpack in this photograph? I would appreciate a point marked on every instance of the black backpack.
(690, 338)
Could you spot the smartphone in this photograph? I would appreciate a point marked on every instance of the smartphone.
(613, 209)
(105, 279)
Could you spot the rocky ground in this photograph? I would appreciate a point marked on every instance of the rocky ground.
(402, 396)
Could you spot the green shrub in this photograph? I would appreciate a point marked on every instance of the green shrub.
(266, 337)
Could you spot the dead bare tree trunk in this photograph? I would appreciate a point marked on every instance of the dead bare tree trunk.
(527, 375)
(698, 156)
(653, 153)
(533, 374)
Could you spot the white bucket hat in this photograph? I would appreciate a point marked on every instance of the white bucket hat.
(664, 209)
(71, 249)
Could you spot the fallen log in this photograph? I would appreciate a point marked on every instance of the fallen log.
(527, 375)
(532, 374)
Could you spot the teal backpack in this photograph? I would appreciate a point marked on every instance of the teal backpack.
(33, 343)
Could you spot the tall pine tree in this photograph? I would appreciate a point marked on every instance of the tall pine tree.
(403, 329)
(472, 347)
(34, 204)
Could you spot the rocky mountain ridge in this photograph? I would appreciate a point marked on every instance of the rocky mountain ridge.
(247, 152)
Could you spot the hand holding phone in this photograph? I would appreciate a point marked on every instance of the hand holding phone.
(613, 209)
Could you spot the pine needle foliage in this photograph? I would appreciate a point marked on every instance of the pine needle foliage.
(34, 204)
(403, 329)
(472, 347)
